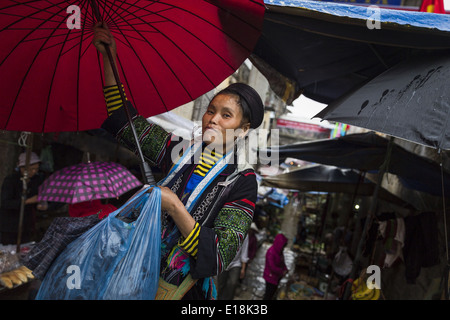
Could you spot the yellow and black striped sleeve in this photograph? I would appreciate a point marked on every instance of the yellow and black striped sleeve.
(190, 244)
(112, 98)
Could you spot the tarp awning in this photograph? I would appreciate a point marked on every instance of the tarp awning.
(324, 178)
(367, 152)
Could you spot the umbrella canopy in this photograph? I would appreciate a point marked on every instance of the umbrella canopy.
(169, 53)
(325, 49)
(367, 152)
(410, 101)
(88, 181)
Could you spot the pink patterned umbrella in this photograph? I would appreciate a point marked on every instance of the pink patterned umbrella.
(87, 181)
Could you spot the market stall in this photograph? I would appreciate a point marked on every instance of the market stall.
(15, 278)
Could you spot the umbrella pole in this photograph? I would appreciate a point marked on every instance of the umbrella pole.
(24, 190)
(447, 267)
(369, 217)
(145, 168)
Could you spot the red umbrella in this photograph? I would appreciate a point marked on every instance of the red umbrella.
(169, 53)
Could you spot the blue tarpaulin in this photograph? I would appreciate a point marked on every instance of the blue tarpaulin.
(423, 20)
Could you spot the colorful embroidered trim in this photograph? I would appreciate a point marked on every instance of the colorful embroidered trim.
(167, 291)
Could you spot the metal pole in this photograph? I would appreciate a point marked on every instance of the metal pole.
(369, 218)
(145, 168)
(447, 267)
(24, 190)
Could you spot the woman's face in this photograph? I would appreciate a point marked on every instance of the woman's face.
(221, 121)
(32, 170)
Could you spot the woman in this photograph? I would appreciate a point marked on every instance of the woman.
(207, 204)
(275, 267)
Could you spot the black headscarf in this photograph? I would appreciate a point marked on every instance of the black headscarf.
(251, 98)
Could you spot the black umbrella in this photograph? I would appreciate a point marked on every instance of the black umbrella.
(411, 101)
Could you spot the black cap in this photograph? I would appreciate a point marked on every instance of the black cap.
(252, 99)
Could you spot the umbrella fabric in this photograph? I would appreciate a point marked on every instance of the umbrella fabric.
(409, 101)
(88, 181)
(169, 53)
(367, 152)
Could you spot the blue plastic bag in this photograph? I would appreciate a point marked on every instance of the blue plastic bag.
(117, 259)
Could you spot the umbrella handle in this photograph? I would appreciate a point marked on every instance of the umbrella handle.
(145, 168)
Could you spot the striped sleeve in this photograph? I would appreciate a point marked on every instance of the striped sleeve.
(190, 244)
(112, 98)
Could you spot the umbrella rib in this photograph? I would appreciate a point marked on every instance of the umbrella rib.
(21, 16)
(53, 77)
(201, 18)
(30, 16)
(31, 31)
(108, 14)
(75, 38)
(229, 12)
(78, 70)
(145, 15)
(175, 75)
(174, 22)
(142, 64)
(51, 82)
(139, 18)
(58, 4)
(108, 18)
(69, 48)
(28, 70)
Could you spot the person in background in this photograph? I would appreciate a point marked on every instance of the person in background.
(11, 199)
(229, 279)
(252, 241)
(275, 267)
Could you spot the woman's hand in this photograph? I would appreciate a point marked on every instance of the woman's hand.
(242, 274)
(176, 209)
(32, 200)
(102, 36)
(169, 201)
